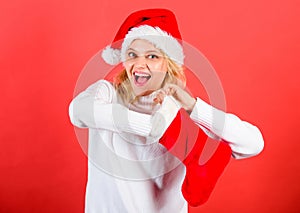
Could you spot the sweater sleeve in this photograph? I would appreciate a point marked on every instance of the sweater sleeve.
(244, 138)
(94, 108)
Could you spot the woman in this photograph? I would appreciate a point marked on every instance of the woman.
(135, 123)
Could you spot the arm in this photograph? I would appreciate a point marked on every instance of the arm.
(95, 108)
(244, 138)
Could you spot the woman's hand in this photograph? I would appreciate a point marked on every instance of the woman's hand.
(184, 98)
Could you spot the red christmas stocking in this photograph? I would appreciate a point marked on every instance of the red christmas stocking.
(186, 140)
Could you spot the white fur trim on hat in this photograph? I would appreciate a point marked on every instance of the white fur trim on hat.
(159, 38)
(111, 56)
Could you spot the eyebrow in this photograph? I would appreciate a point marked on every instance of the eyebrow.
(148, 51)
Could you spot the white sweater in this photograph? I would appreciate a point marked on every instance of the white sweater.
(128, 170)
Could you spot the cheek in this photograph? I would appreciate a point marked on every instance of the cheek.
(128, 68)
(158, 66)
(157, 79)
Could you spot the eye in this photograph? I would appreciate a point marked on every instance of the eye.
(131, 55)
(152, 56)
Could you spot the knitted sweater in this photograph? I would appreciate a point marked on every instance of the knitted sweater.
(128, 169)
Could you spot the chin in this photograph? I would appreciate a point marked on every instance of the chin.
(142, 93)
(143, 90)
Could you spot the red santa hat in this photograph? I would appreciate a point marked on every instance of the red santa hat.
(158, 26)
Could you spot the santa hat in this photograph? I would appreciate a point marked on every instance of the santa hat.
(158, 26)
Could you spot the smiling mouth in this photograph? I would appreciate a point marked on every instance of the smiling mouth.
(141, 78)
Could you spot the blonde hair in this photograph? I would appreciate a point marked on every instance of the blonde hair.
(174, 75)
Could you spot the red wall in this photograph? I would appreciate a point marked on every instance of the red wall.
(253, 45)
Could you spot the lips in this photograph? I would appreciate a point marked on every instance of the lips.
(141, 78)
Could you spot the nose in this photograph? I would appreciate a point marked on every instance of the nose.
(140, 62)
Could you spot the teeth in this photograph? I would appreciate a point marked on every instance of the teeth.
(141, 74)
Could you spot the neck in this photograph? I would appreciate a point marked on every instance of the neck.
(144, 104)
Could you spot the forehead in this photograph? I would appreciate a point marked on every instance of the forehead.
(141, 45)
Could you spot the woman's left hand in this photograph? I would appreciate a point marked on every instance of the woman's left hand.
(183, 97)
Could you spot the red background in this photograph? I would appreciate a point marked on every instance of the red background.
(253, 45)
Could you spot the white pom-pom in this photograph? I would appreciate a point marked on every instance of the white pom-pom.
(111, 56)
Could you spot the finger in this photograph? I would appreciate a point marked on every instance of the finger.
(156, 100)
(172, 90)
(160, 96)
(166, 88)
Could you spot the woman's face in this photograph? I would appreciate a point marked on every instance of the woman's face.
(145, 66)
